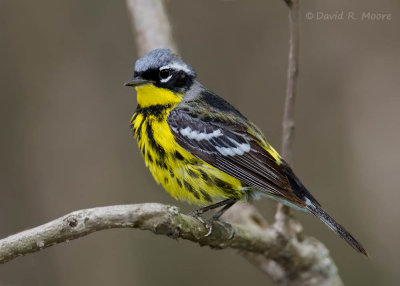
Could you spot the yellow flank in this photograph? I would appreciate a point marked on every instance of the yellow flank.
(183, 175)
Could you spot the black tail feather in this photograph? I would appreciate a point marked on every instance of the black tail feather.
(336, 227)
(315, 208)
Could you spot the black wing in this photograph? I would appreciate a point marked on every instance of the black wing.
(230, 148)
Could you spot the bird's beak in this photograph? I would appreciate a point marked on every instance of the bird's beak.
(136, 81)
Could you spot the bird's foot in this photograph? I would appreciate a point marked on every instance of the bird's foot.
(209, 224)
(205, 221)
(196, 213)
(226, 225)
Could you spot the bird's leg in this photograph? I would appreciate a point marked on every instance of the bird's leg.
(201, 211)
(219, 213)
(215, 218)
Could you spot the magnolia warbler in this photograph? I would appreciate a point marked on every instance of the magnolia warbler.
(203, 150)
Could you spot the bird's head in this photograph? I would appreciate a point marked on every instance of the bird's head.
(163, 69)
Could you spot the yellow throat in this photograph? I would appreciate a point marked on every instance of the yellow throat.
(148, 95)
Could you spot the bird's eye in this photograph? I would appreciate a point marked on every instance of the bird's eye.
(165, 73)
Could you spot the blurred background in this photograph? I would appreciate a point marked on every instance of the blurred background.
(66, 143)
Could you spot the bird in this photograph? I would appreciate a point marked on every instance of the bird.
(202, 150)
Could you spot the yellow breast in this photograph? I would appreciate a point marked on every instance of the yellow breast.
(183, 175)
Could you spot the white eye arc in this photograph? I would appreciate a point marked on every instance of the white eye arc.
(165, 74)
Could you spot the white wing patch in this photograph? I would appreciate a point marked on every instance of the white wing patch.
(240, 149)
(224, 145)
(198, 136)
(235, 149)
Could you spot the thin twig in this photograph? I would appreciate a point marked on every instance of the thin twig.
(293, 70)
(283, 213)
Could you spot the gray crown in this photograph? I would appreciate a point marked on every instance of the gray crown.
(162, 58)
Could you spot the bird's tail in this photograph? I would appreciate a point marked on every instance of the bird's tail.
(314, 207)
(336, 227)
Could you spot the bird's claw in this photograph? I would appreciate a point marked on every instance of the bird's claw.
(205, 221)
(210, 229)
(209, 223)
(227, 225)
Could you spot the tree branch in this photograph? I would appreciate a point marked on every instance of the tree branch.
(158, 218)
(150, 25)
(304, 261)
(166, 220)
(304, 258)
